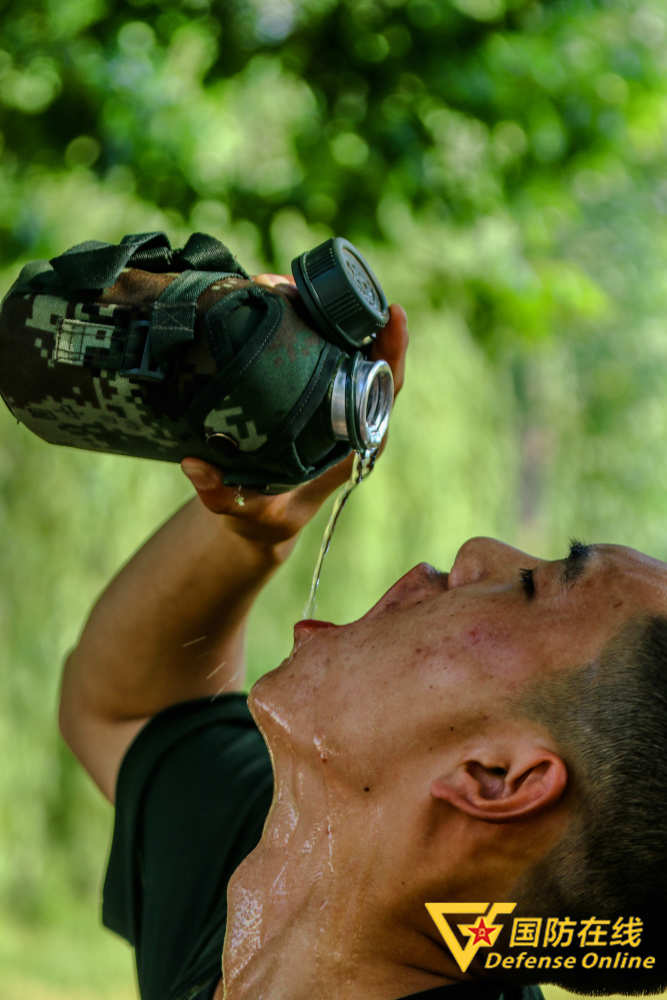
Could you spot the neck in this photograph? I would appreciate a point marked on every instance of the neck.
(321, 907)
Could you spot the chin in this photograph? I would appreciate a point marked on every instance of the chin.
(271, 705)
(264, 692)
(262, 698)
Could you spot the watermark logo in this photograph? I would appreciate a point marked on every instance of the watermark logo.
(482, 933)
(541, 943)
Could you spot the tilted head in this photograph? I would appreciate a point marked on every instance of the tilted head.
(494, 718)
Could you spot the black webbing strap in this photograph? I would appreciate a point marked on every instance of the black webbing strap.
(149, 343)
(97, 265)
(188, 286)
(265, 329)
(202, 261)
(205, 253)
(174, 312)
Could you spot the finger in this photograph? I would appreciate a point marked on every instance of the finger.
(391, 344)
(202, 475)
(281, 282)
(208, 482)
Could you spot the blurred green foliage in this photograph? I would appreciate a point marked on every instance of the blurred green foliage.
(502, 164)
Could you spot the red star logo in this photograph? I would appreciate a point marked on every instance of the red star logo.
(480, 932)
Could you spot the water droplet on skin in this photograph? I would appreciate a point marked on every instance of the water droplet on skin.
(330, 845)
(361, 469)
(279, 885)
(245, 931)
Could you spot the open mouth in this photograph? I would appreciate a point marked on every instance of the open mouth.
(313, 624)
(422, 580)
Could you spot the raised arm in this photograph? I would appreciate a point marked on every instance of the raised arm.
(171, 625)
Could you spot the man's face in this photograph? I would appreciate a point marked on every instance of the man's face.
(432, 663)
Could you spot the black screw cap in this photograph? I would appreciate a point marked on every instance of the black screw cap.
(340, 292)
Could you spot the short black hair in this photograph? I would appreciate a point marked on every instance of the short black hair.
(609, 719)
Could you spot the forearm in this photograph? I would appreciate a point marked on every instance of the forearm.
(170, 626)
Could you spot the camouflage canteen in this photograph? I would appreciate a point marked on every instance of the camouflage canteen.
(140, 349)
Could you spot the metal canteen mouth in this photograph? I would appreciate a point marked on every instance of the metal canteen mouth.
(361, 400)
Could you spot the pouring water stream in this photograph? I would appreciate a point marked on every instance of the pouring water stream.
(361, 468)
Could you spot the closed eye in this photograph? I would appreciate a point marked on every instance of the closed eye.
(527, 582)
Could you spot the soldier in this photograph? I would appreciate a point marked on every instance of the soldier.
(472, 737)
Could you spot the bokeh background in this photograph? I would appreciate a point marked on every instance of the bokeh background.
(500, 162)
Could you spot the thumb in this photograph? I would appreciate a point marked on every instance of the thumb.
(202, 475)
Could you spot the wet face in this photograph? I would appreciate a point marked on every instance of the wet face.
(432, 663)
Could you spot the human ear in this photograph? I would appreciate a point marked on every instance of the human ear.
(499, 791)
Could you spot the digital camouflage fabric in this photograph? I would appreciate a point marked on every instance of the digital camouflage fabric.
(138, 349)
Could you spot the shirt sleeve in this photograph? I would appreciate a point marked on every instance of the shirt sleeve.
(193, 791)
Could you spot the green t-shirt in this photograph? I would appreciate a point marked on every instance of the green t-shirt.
(192, 795)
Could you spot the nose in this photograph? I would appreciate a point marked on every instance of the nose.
(419, 582)
(481, 559)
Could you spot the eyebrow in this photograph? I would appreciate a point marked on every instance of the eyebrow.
(576, 561)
